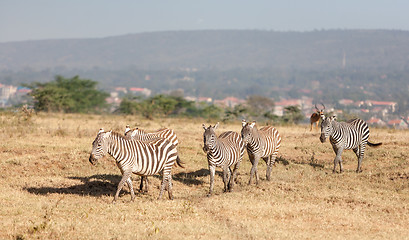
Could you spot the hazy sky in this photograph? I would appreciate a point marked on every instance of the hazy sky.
(57, 19)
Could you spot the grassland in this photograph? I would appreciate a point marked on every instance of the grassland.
(49, 190)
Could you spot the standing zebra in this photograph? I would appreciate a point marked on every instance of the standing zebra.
(138, 157)
(263, 143)
(353, 135)
(223, 151)
(141, 135)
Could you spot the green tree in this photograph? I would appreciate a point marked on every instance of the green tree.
(68, 95)
(292, 114)
(260, 105)
(159, 105)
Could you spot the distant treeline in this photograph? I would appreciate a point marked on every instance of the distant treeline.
(76, 95)
(328, 86)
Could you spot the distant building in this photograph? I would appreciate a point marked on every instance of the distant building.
(204, 99)
(229, 102)
(346, 102)
(397, 124)
(391, 106)
(376, 122)
(142, 91)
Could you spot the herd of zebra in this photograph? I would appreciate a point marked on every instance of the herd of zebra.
(150, 153)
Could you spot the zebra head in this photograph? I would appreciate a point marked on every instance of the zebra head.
(209, 137)
(247, 130)
(99, 146)
(326, 127)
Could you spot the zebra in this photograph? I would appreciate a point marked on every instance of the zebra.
(138, 157)
(223, 151)
(353, 135)
(142, 135)
(263, 143)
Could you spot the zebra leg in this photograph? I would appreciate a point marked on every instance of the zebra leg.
(163, 185)
(233, 178)
(146, 184)
(143, 187)
(170, 193)
(269, 165)
(254, 161)
(226, 177)
(212, 170)
(141, 184)
(338, 159)
(125, 176)
(360, 154)
(129, 182)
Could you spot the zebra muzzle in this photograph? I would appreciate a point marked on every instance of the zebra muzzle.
(92, 159)
(322, 138)
(205, 149)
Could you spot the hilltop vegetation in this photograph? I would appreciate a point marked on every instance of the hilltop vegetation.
(326, 65)
(219, 49)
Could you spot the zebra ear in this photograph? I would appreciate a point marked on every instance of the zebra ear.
(334, 118)
(101, 130)
(252, 124)
(127, 129)
(204, 127)
(243, 122)
(216, 126)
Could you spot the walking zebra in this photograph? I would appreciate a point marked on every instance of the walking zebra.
(223, 151)
(263, 143)
(142, 135)
(138, 157)
(353, 135)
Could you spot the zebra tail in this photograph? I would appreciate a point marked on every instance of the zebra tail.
(374, 144)
(179, 162)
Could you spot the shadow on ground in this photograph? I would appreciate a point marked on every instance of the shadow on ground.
(106, 184)
(96, 185)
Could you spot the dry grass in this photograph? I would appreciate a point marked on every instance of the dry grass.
(49, 190)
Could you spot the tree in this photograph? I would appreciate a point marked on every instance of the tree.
(292, 114)
(68, 95)
(260, 105)
(159, 105)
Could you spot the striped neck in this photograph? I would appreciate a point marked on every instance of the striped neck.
(116, 143)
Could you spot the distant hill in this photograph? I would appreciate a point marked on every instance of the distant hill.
(325, 65)
(218, 49)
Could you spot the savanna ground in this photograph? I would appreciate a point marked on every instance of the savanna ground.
(49, 190)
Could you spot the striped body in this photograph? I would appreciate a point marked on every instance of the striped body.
(263, 143)
(142, 135)
(138, 157)
(353, 134)
(139, 134)
(224, 151)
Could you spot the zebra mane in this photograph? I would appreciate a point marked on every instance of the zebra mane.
(117, 135)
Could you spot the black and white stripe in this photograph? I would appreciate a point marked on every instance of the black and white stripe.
(138, 157)
(224, 151)
(353, 135)
(142, 135)
(261, 143)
